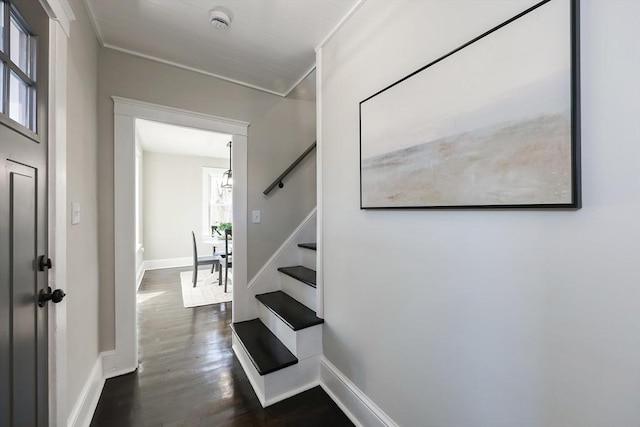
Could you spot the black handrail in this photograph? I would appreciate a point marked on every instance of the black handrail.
(279, 179)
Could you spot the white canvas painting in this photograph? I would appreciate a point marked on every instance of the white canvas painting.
(489, 125)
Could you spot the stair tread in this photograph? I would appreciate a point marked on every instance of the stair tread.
(303, 274)
(312, 246)
(295, 314)
(265, 350)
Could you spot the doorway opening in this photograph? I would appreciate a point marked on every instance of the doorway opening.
(183, 206)
(127, 115)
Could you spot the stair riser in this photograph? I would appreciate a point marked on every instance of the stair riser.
(279, 385)
(303, 343)
(308, 258)
(298, 290)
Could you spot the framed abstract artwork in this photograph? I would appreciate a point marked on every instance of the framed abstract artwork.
(494, 123)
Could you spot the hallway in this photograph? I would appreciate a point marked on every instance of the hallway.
(188, 375)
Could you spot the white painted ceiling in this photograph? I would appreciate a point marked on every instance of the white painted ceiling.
(269, 45)
(171, 139)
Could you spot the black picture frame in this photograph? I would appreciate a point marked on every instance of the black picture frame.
(529, 153)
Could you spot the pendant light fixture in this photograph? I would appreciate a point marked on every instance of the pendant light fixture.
(227, 176)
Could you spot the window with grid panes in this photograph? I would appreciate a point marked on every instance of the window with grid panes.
(17, 70)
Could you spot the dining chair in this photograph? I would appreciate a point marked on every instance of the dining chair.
(227, 258)
(204, 260)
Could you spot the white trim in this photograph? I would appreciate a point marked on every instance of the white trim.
(291, 393)
(57, 220)
(139, 178)
(61, 11)
(126, 345)
(141, 270)
(349, 14)
(195, 70)
(243, 304)
(272, 261)
(85, 405)
(304, 294)
(254, 378)
(304, 76)
(126, 111)
(303, 343)
(109, 365)
(156, 264)
(176, 116)
(320, 215)
(354, 403)
(209, 174)
(279, 385)
(94, 23)
(206, 197)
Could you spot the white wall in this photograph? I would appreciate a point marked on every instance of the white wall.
(173, 204)
(82, 239)
(277, 139)
(486, 318)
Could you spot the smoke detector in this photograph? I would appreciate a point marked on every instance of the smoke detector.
(220, 18)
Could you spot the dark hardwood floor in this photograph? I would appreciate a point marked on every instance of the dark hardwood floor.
(189, 376)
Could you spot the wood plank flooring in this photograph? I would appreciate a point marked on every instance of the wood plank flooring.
(189, 376)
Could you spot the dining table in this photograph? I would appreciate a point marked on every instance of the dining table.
(216, 242)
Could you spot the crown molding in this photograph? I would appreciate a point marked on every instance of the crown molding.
(61, 11)
(349, 14)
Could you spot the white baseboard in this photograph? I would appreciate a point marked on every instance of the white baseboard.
(86, 404)
(108, 363)
(280, 385)
(139, 277)
(291, 393)
(155, 264)
(354, 403)
(110, 367)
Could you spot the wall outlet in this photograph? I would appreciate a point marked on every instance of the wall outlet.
(255, 217)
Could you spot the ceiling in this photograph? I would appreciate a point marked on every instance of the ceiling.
(171, 139)
(269, 45)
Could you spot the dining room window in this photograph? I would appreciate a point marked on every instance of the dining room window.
(216, 201)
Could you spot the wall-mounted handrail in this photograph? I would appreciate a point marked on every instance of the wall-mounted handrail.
(278, 180)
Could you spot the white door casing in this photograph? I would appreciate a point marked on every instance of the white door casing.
(124, 358)
(61, 16)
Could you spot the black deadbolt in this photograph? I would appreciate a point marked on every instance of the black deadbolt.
(45, 263)
(55, 296)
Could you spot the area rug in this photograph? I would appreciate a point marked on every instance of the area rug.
(207, 290)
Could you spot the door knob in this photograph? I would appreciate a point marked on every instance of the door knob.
(55, 296)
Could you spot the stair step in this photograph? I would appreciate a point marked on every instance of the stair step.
(265, 350)
(311, 246)
(296, 315)
(303, 274)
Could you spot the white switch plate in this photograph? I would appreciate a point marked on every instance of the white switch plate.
(75, 212)
(255, 217)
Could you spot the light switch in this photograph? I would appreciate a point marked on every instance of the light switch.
(75, 212)
(255, 217)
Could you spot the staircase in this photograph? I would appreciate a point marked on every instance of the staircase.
(280, 350)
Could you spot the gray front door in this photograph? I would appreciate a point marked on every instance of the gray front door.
(23, 213)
